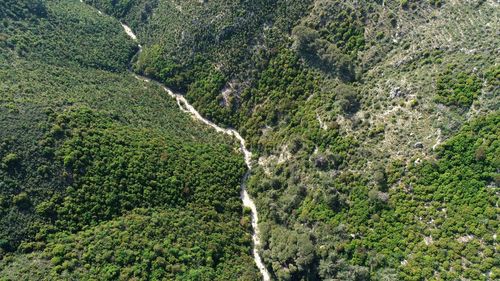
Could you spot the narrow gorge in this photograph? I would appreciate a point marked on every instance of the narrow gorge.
(186, 107)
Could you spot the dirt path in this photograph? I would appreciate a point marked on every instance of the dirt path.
(185, 106)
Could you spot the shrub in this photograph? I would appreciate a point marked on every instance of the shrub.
(11, 160)
(457, 89)
(347, 98)
(22, 200)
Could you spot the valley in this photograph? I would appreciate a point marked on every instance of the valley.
(249, 140)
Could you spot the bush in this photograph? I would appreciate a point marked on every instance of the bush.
(457, 89)
(11, 160)
(22, 200)
(347, 98)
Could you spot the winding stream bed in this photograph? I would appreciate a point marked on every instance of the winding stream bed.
(185, 106)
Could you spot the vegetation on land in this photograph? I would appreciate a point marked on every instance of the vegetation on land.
(459, 89)
(327, 101)
(374, 125)
(101, 175)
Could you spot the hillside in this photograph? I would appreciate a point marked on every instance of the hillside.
(91, 156)
(373, 124)
(350, 106)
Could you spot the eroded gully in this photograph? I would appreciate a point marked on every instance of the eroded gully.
(185, 106)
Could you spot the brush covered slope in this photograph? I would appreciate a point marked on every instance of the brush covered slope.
(374, 124)
(102, 177)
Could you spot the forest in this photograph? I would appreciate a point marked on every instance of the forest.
(373, 124)
(101, 176)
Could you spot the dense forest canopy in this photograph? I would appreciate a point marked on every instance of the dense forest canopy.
(374, 127)
(101, 175)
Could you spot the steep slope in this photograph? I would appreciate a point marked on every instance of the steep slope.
(375, 124)
(91, 156)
